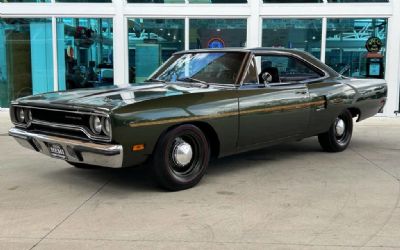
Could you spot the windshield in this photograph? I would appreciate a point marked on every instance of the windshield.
(205, 67)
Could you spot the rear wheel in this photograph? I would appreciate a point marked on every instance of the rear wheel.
(338, 137)
(181, 158)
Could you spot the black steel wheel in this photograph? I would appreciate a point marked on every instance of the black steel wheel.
(181, 158)
(338, 137)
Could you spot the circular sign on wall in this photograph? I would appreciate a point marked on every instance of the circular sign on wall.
(373, 44)
(216, 42)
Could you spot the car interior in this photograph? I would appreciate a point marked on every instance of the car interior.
(275, 69)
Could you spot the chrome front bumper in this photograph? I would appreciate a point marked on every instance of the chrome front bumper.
(105, 155)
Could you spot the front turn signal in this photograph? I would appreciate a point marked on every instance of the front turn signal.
(137, 147)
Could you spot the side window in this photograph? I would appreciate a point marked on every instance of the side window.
(251, 74)
(283, 68)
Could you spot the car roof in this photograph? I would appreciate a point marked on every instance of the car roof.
(246, 50)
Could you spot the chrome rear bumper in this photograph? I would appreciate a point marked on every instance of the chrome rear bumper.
(105, 155)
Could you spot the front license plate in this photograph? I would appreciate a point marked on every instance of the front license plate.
(57, 151)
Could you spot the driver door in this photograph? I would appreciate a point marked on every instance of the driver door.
(271, 111)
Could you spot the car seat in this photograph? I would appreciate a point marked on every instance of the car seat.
(273, 71)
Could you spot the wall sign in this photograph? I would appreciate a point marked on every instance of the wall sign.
(216, 42)
(373, 44)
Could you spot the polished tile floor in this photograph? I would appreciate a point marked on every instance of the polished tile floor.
(291, 196)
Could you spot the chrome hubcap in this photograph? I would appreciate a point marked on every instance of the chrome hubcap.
(340, 127)
(182, 153)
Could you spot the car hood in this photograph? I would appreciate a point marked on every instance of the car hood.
(110, 97)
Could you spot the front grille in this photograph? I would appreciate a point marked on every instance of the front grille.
(61, 117)
(66, 123)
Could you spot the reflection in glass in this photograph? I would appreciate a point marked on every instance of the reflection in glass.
(217, 33)
(84, 1)
(303, 34)
(156, 1)
(345, 44)
(85, 52)
(26, 58)
(151, 42)
(202, 67)
(25, 1)
(293, 1)
(358, 1)
(217, 1)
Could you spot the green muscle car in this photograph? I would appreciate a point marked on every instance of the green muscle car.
(200, 104)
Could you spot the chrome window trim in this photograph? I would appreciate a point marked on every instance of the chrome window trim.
(246, 70)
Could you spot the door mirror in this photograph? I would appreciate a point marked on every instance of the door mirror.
(267, 77)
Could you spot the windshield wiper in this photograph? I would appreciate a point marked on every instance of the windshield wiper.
(154, 80)
(191, 79)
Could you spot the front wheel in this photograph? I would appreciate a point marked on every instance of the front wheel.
(181, 158)
(338, 137)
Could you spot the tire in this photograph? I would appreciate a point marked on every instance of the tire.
(338, 137)
(181, 158)
(83, 165)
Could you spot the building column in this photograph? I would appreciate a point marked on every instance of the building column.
(393, 61)
(254, 26)
(120, 37)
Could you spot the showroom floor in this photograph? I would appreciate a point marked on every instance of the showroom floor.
(291, 196)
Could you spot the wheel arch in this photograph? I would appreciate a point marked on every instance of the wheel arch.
(208, 131)
(355, 112)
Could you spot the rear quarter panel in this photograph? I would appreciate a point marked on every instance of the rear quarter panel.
(337, 96)
(370, 95)
(365, 95)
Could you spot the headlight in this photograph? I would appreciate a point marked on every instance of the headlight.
(106, 126)
(29, 118)
(20, 114)
(95, 124)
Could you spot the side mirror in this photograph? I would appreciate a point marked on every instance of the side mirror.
(267, 77)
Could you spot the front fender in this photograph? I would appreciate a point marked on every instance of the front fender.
(145, 122)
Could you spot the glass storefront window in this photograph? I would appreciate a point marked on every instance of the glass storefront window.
(156, 1)
(85, 52)
(151, 42)
(61, 1)
(358, 1)
(84, 1)
(26, 58)
(346, 50)
(217, 1)
(303, 34)
(217, 33)
(293, 1)
(25, 1)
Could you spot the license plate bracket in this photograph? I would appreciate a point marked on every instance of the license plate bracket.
(57, 151)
